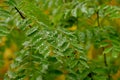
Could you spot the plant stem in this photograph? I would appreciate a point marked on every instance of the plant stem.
(106, 64)
(105, 57)
(105, 60)
(98, 21)
(21, 14)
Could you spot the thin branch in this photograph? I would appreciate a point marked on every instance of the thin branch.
(105, 57)
(98, 18)
(105, 60)
(21, 14)
(106, 64)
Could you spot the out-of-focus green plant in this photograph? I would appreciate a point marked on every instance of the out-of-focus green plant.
(58, 35)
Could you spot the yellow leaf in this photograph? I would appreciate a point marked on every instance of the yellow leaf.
(73, 28)
(94, 52)
(3, 40)
(13, 47)
(51, 51)
(113, 2)
(90, 52)
(8, 54)
(61, 77)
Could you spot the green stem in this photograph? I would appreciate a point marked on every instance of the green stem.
(105, 62)
(98, 20)
(105, 57)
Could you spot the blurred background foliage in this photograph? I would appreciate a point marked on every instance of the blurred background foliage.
(11, 43)
(8, 44)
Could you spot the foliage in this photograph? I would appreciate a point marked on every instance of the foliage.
(58, 35)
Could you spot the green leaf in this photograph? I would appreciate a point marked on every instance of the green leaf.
(101, 70)
(11, 74)
(107, 50)
(104, 44)
(3, 31)
(84, 63)
(89, 35)
(34, 12)
(110, 11)
(115, 54)
(73, 63)
(74, 12)
(39, 78)
(4, 13)
(11, 2)
(78, 47)
(31, 31)
(100, 77)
